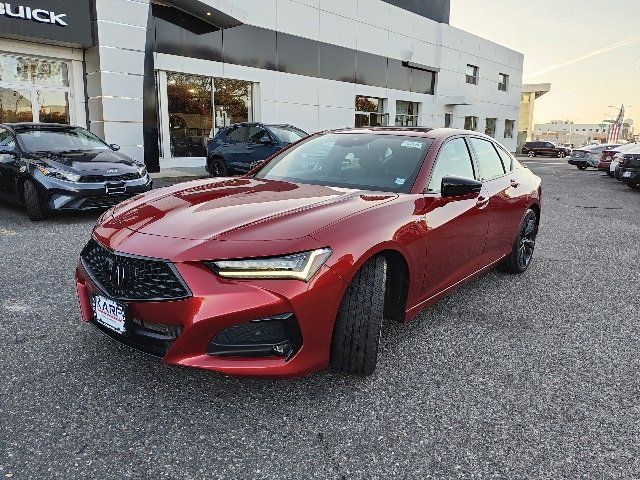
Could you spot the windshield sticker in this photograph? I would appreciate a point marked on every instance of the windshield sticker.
(410, 144)
(400, 181)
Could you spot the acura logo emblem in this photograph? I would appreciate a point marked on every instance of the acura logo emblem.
(120, 275)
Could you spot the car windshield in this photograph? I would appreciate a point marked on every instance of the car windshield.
(60, 140)
(366, 161)
(287, 134)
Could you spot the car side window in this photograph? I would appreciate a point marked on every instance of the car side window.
(488, 159)
(453, 160)
(6, 139)
(507, 160)
(256, 134)
(238, 134)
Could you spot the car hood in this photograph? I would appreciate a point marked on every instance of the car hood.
(240, 209)
(90, 162)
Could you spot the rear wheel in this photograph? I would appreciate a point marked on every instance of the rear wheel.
(218, 167)
(356, 334)
(35, 208)
(610, 173)
(522, 252)
(562, 154)
(531, 154)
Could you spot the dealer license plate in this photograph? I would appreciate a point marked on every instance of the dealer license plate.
(109, 313)
(626, 174)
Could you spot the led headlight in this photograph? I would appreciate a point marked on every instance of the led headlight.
(298, 266)
(142, 171)
(59, 174)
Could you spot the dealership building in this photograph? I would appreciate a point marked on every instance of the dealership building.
(158, 77)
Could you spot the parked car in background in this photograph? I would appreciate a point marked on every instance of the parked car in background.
(49, 167)
(545, 149)
(240, 147)
(630, 169)
(614, 168)
(606, 157)
(586, 157)
(293, 269)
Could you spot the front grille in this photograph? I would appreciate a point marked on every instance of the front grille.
(112, 178)
(103, 201)
(127, 277)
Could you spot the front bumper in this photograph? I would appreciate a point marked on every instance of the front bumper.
(192, 327)
(61, 195)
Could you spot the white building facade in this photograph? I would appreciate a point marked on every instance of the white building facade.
(159, 78)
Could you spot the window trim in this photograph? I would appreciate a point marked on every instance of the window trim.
(474, 167)
(472, 79)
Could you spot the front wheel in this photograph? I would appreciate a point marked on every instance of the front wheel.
(581, 166)
(356, 334)
(522, 252)
(218, 168)
(562, 154)
(36, 210)
(531, 154)
(634, 186)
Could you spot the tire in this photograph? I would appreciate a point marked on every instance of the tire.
(218, 167)
(581, 166)
(610, 173)
(634, 186)
(519, 259)
(356, 334)
(531, 154)
(35, 209)
(562, 154)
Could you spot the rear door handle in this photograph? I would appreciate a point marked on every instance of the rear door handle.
(249, 147)
(482, 202)
(224, 145)
(514, 183)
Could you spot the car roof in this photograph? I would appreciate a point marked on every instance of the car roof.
(424, 132)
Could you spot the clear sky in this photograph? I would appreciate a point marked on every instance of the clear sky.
(589, 50)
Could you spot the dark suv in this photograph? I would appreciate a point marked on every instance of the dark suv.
(545, 149)
(630, 169)
(238, 148)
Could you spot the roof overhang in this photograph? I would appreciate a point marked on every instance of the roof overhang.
(218, 13)
(538, 88)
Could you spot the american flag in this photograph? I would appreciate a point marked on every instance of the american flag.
(616, 128)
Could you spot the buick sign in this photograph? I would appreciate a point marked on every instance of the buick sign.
(36, 14)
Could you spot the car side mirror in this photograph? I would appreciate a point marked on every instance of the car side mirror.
(266, 141)
(460, 187)
(115, 147)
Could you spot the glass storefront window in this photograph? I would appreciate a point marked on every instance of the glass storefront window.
(370, 112)
(190, 114)
(54, 107)
(232, 100)
(36, 71)
(15, 106)
(34, 90)
(406, 114)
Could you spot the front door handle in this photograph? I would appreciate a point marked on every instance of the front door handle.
(514, 183)
(249, 147)
(482, 202)
(224, 145)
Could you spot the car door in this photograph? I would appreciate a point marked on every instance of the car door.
(456, 227)
(502, 184)
(257, 150)
(235, 147)
(9, 163)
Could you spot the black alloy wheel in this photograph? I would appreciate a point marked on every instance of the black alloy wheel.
(562, 154)
(522, 251)
(217, 168)
(634, 186)
(581, 166)
(531, 154)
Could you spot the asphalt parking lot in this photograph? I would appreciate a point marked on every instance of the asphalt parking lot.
(533, 376)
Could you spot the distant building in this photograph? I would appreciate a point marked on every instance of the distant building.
(577, 134)
(530, 92)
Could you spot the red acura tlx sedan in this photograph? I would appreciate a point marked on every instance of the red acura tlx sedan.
(293, 267)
